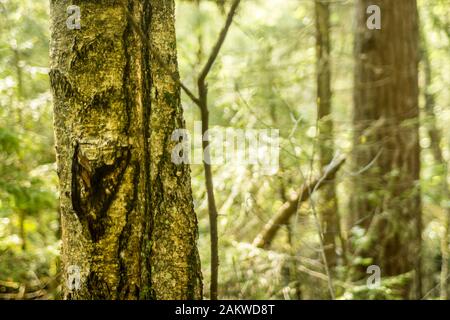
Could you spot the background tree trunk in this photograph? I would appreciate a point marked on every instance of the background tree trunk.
(386, 199)
(328, 202)
(127, 218)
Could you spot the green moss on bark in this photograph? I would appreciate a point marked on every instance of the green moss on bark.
(127, 215)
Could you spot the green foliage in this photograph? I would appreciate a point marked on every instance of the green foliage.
(264, 78)
(390, 288)
(28, 199)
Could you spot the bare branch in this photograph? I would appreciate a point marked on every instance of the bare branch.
(216, 49)
(288, 209)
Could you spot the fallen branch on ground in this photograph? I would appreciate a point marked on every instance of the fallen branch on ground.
(289, 208)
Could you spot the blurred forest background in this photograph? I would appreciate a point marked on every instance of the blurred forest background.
(265, 77)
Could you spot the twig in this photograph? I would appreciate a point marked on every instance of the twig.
(203, 105)
(216, 49)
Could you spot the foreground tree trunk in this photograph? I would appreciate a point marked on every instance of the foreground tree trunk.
(128, 221)
(386, 198)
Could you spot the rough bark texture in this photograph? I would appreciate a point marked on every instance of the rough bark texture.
(127, 216)
(386, 198)
(328, 202)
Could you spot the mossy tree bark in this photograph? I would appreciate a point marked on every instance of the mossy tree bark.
(127, 215)
(386, 199)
